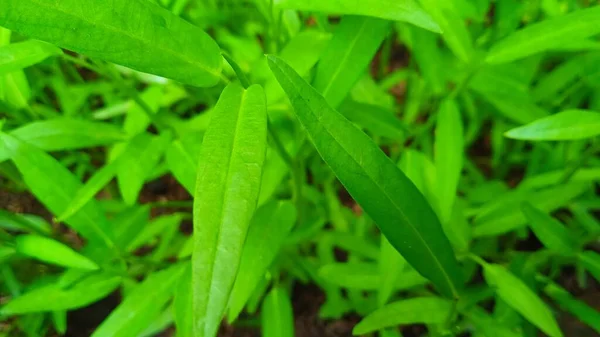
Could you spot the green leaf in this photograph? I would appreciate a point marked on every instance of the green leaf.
(348, 54)
(68, 134)
(55, 187)
(21, 55)
(24, 222)
(406, 10)
(54, 298)
(268, 229)
(136, 169)
(550, 231)
(449, 147)
(546, 35)
(182, 160)
(229, 174)
(421, 310)
(352, 275)
(579, 309)
(521, 298)
(153, 229)
(591, 262)
(374, 119)
(488, 325)
(566, 125)
(51, 251)
(277, 316)
(372, 179)
(142, 305)
(183, 306)
(137, 34)
(390, 265)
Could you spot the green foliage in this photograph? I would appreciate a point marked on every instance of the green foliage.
(414, 162)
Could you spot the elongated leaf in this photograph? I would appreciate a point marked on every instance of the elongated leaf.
(24, 222)
(391, 263)
(68, 134)
(488, 325)
(137, 34)
(348, 54)
(550, 231)
(546, 35)
(277, 315)
(406, 10)
(21, 55)
(372, 179)
(268, 229)
(183, 163)
(142, 305)
(153, 229)
(229, 175)
(364, 276)
(48, 250)
(521, 298)
(54, 298)
(579, 309)
(183, 306)
(449, 145)
(591, 262)
(566, 125)
(427, 310)
(374, 119)
(136, 169)
(55, 187)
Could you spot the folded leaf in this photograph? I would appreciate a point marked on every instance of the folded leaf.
(372, 179)
(421, 310)
(268, 229)
(566, 125)
(137, 34)
(142, 305)
(48, 250)
(406, 10)
(54, 298)
(229, 174)
(277, 315)
(546, 35)
(55, 187)
(21, 55)
(350, 51)
(521, 298)
(550, 231)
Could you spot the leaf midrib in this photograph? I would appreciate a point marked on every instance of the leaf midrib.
(411, 226)
(133, 37)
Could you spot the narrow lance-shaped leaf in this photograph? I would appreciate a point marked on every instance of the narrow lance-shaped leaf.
(382, 190)
(229, 175)
(269, 228)
(48, 250)
(348, 54)
(21, 55)
(55, 187)
(405, 10)
(428, 310)
(591, 262)
(546, 35)
(277, 315)
(550, 231)
(138, 34)
(566, 125)
(566, 301)
(449, 146)
(521, 298)
(142, 305)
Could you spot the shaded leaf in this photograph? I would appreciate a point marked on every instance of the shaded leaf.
(550, 231)
(585, 313)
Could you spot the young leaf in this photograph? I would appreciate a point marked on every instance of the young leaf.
(546, 35)
(21, 55)
(48, 250)
(348, 54)
(54, 298)
(277, 315)
(521, 298)
(268, 229)
(68, 134)
(229, 174)
(449, 146)
(55, 187)
(421, 310)
(137, 34)
(579, 309)
(550, 231)
(372, 179)
(142, 305)
(566, 125)
(406, 10)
